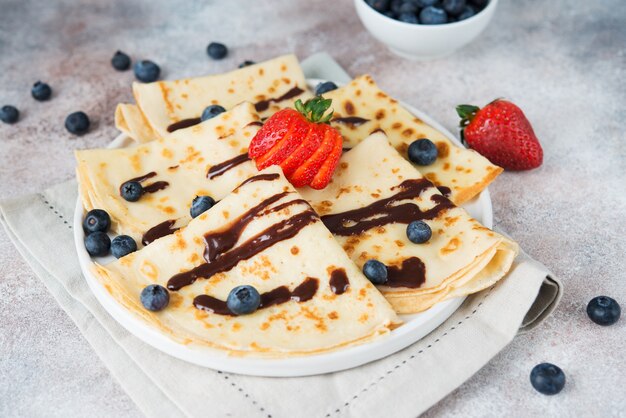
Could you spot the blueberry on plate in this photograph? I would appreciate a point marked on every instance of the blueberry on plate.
(147, 71)
(375, 271)
(200, 205)
(325, 87)
(603, 310)
(77, 123)
(246, 63)
(547, 378)
(96, 220)
(131, 191)
(243, 300)
(123, 245)
(97, 244)
(408, 18)
(418, 232)
(41, 91)
(422, 152)
(453, 7)
(9, 114)
(216, 50)
(432, 15)
(212, 111)
(120, 61)
(467, 12)
(155, 297)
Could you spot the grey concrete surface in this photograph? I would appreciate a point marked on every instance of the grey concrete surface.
(563, 62)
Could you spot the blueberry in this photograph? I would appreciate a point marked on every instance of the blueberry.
(155, 297)
(603, 310)
(325, 87)
(547, 378)
(211, 111)
(9, 114)
(418, 232)
(200, 205)
(422, 152)
(467, 12)
(390, 14)
(426, 3)
(395, 5)
(77, 123)
(97, 220)
(243, 300)
(408, 18)
(408, 7)
(433, 16)
(379, 5)
(375, 271)
(41, 91)
(131, 191)
(147, 71)
(97, 244)
(479, 3)
(120, 61)
(246, 63)
(216, 50)
(123, 245)
(454, 7)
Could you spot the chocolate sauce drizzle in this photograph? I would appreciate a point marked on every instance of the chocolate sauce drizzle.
(351, 120)
(219, 169)
(142, 178)
(302, 293)
(150, 188)
(263, 105)
(158, 231)
(383, 212)
(411, 274)
(224, 261)
(261, 177)
(339, 282)
(446, 191)
(182, 124)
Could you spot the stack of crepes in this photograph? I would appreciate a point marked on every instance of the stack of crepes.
(302, 249)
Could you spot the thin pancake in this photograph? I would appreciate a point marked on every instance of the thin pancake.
(374, 195)
(207, 159)
(166, 105)
(315, 299)
(362, 108)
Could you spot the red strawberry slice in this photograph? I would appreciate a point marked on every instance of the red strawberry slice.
(307, 171)
(298, 130)
(310, 144)
(272, 131)
(325, 173)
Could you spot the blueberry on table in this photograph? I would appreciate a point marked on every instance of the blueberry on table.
(418, 232)
(200, 205)
(120, 61)
(41, 91)
(432, 15)
(422, 152)
(453, 7)
(216, 50)
(212, 111)
(9, 114)
(547, 378)
(408, 18)
(77, 123)
(246, 63)
(375, 271)
(603, 310)
(325, 87)
(243, 300)
(155, 297)
(147, 71)
(97, 244)
(467, 12)
(123, 245)
(96, 220)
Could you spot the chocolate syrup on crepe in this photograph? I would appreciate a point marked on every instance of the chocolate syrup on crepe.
(219, 169)
(351, 120)
(411, 274)
(339, 282)
(265, 104)
(158, 231)
(182, 124)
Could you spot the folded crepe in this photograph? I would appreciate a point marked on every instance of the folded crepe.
(374, 195)
(208, 159)
(362, 108)
(314, 299)
(165, 106)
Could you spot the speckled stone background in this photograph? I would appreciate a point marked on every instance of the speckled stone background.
(563, 62)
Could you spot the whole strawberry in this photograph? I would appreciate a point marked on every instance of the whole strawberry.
(502, 134)
(302, 142)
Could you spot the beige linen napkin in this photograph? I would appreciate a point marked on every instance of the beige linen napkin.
(41, 227)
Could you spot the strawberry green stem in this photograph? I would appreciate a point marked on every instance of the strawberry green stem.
(466, 113)
(314, 109)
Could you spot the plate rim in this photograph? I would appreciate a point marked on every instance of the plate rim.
(409, 333)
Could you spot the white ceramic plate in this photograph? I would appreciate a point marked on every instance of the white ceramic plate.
(415, 327)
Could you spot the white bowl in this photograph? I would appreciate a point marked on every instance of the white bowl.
(423, 42)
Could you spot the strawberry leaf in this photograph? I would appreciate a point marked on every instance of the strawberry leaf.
(466, 113)
(314, 109)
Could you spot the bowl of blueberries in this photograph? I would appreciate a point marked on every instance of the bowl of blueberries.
(425, 29)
